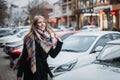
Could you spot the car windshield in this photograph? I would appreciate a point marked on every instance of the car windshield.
(4, 31)
(110, 55)
(78, 43)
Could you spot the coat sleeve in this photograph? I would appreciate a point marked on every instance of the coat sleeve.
(21, 62)
(54, 52)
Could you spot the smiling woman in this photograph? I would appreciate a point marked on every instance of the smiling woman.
(36, 48)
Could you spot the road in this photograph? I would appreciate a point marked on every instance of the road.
(6, 73)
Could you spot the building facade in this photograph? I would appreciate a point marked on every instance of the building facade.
(62, 13)
(102, 13)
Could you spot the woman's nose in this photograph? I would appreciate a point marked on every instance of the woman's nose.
(43, 23)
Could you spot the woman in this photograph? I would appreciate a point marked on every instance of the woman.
(38, 44)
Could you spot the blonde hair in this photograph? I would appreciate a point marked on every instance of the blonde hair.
(34, 23)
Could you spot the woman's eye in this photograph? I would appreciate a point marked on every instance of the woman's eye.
(40, 22)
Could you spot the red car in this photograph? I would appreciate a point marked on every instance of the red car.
(16, 51)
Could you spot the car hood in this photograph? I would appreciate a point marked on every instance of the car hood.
(14, 44)
(13, 39)
(64, 57)
(8, 38)
(92, 72)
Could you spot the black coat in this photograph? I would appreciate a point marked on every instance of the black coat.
(41, 62)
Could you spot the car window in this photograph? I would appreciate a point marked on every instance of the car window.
(102, 41)
(65, 36)
(4, 31)
(78, 43)
(116, 36)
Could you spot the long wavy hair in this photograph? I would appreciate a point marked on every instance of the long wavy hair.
(34, 24)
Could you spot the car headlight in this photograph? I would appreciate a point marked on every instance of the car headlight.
(66, 67)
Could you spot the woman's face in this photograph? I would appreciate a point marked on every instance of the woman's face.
(41, 24)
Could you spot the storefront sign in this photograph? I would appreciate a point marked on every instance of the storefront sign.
(101, 8)
(89, 10)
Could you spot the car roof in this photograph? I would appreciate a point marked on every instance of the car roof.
(95, 33)
(65, 32)
(23, 30)
(5, 28)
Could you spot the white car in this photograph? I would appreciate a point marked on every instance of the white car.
(13, 39)
(90, 28)
(64, 28)
(106, 66)
(13, 32)
(5, 31)
(80, 49)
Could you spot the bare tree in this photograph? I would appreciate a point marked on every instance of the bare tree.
(41, 9)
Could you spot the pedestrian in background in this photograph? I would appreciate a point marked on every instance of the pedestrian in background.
(37, 46)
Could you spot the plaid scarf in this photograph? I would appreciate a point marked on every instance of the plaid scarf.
(44, 39)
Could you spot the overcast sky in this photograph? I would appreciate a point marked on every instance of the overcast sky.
(22, 3)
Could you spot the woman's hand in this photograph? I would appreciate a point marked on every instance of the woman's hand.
(58, 38)
(19, 78)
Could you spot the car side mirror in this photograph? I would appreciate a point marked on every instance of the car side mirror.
(98, 48)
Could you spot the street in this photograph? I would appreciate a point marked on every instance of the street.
(6, 73)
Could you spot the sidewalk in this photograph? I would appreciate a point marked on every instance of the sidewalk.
(6, 73)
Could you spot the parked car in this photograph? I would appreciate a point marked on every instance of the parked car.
(8, 32)
(5, 31)
(106, 66)
(13, 39)
(79, 50)
(64, 28)
(14, 54)
(64, 34)
(15, 49)
(90, 28)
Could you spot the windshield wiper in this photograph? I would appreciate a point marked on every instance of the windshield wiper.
(68, 50)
